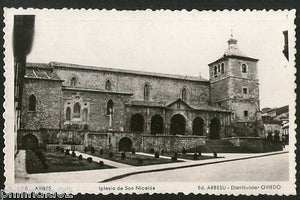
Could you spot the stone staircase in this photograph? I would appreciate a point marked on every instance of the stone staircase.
(219, 146)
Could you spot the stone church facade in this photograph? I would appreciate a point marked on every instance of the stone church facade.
(68, 104)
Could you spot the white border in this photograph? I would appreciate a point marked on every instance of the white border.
(288, 188)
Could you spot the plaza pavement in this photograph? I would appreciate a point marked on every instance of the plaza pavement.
(121, 174)
(269, 168)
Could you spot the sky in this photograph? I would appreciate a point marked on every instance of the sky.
(168, 42)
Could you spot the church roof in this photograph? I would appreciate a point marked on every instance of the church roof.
(38, 71)
(233, 51)
(125, 71)
(166, 105)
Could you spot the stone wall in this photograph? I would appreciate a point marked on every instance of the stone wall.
(171, 143)
(96, 104)
(197, 91)
(255, 144)
(48, 105)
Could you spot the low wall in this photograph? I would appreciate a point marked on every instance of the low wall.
(52, 147)
(255, 144)
(171, 142)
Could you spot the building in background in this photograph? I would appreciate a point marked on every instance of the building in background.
(276, 123)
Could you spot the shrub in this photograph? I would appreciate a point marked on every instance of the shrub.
(156, 154)
(89, 159)
(183, 151)
(80, 157)
(199, 153)
(101, 152)
(92, 150)
(195, 156)
(140, 160)
(215, 154)
(123, 155)
(45, 165)
(175, 154)
(67, 152)
(133, 151)
(57, 148)
(101, 163)
(162, 152)
(110, 154)
(151, 150)
(73, 154)
(174, 158)
(85, 149)
(62, 150)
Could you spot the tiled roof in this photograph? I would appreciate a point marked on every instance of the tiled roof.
(211, 108)
(147, 103)
(164, 105)
(94, 90)
(40, 71)
(143, 73)
(233, 49)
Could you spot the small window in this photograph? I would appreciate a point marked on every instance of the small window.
(219, 68)
(68, 114)
(76, 110)
(246, 113)
(146, 92)
(215, 70)
(32, 103)
(73, 82)
(245, 90)
(84, 115)
(184, 94)
(110, 107)
(108, 85)
(222, 68)
(244, 68)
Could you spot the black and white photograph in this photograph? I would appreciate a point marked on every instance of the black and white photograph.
(107, 101)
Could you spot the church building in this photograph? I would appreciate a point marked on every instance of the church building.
(117, 109)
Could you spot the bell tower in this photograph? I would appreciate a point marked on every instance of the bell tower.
(234, 85)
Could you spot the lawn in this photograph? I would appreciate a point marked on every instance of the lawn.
(134, 159)
(55, 161)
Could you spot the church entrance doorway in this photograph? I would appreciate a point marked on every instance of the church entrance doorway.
(157, 125)
(125, 144)
(177, 125)
(29, 142)
(215, 126)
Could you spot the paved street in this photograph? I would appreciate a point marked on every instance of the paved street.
(270, 168)
(250, 168)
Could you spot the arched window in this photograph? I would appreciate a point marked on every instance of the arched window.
(215, 70)
(110, 107)
(73, 82)
(76, 110)
(146, 92)
(184, 94)
(222, 68)
(84, 115)
(244, 68)
(108, 85)
(32, 103)
(68, 114)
